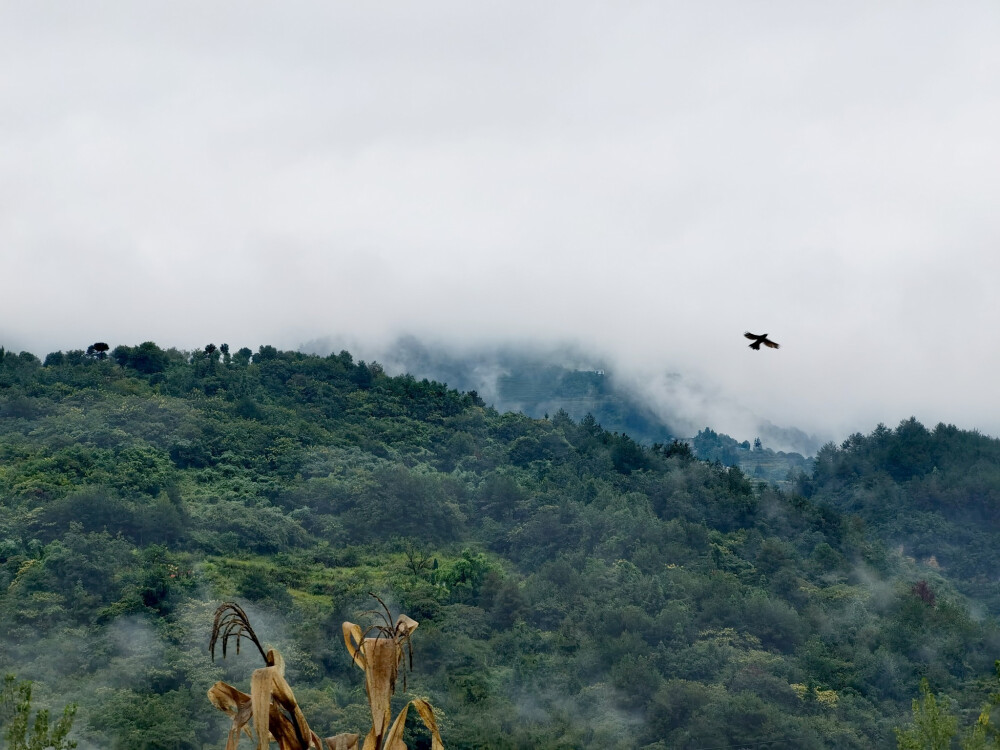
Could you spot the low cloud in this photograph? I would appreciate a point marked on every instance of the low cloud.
(647, 181)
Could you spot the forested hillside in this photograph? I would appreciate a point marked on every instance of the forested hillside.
(538, 382)
(542, 382)
(574, 588)
(934, 494)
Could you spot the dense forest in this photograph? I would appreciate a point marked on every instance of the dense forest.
(575, 587)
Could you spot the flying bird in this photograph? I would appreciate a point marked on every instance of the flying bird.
(758, 340)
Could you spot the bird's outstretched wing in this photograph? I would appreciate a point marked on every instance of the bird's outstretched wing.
(759, 339)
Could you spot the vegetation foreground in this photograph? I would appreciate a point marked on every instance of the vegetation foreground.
(574, 588)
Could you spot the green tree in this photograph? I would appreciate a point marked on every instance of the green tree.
(934, 725)
(20, 732)
(131, 719)
(985, 735)
(627, 455)
(98, 350)
(147, 358)
(242, 356)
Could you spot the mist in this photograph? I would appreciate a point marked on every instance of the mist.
(644, 182)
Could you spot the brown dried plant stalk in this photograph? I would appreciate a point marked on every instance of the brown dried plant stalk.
(272, 712)
(270, 708)
(380, 656)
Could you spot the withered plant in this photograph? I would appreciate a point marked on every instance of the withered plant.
(378, 651)
(271, 710)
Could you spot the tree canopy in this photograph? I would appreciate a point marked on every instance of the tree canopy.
(575, 587)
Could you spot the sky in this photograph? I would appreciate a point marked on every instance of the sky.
(644, 180)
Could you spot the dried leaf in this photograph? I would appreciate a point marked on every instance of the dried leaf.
(227, 698)
(282, 731)
(382, 657)
(261, 686)
(427, 714)
(353, 640)
(270, 694)
(276, 660)
(282, 695)
(372, 744)
(235, 703)
(342, 742)
(405, 626)
(395, 737)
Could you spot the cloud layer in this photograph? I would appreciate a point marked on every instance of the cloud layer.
(645, 179)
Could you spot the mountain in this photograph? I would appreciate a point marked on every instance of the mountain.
(756, 461)
(574, 586)
(535, 382)
(542, 381)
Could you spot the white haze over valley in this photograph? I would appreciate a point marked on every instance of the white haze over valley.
(684, 405)
(641, 181)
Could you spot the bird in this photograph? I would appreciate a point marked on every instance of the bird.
(758, 340)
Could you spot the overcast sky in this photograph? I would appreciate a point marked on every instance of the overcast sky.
(647, 179)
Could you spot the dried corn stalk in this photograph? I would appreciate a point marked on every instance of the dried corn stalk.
(380, 656)
(270, 709)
